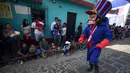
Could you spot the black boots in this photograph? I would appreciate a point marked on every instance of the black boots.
(96, 68)
(93, 66)
(90, 68)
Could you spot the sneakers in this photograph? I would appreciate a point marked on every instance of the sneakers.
(58, 48)
(62, 54)
(18, 61)
(43, 55)
(68, 54)
(21, 62)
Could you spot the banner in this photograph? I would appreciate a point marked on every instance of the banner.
(119, 15)
(22, 10)
(5, 10)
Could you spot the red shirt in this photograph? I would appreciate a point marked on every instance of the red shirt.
(39, 26)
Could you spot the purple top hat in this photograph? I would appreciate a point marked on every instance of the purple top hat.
(101, 8)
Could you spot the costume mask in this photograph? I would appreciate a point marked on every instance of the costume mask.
(100, 10)
(92, 19)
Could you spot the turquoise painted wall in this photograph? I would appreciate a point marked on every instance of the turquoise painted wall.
(55, 11)
(91, 1)
(17, 19)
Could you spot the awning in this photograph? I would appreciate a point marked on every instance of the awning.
(83, 3)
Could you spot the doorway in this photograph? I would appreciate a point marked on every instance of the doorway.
(38, 13)
(71, 21)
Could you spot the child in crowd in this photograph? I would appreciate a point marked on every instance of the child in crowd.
(44, 47)
(67, 48)
(39, 53)
(73, 44)
(53, 48)
(32, 50)
(23, 52)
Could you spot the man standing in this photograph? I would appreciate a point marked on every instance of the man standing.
(79, 30)
(97, 32)
(38, 29)
(57, 34)
(53, 24)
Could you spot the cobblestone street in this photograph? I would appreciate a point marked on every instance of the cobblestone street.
(115, 58)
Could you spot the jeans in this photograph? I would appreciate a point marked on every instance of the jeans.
(63, 40)
(38, 36)
(52, 36)
(66, 51)
(57, 40)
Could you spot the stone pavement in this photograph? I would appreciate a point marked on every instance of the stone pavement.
(115, 58)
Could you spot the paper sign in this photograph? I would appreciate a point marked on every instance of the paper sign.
(5, 10)
(22, 10)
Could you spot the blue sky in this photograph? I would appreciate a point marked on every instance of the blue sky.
(117, 3)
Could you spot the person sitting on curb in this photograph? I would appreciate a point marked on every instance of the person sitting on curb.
(67, 48)
(53, 48)
(23, 52)
(44, 47)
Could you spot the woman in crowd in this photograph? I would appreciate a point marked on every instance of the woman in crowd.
(64, 29)
(11, 39)
(26, 30)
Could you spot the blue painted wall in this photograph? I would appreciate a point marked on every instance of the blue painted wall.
(17, 19)
(55, 11)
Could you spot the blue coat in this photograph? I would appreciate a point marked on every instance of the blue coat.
(101, 32)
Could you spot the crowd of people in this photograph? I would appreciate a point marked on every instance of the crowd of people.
(9, 39)
(29, 47)
(119, 32)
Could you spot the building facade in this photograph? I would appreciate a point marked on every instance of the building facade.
(47, 10)
(67, 11)
(19, 10)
